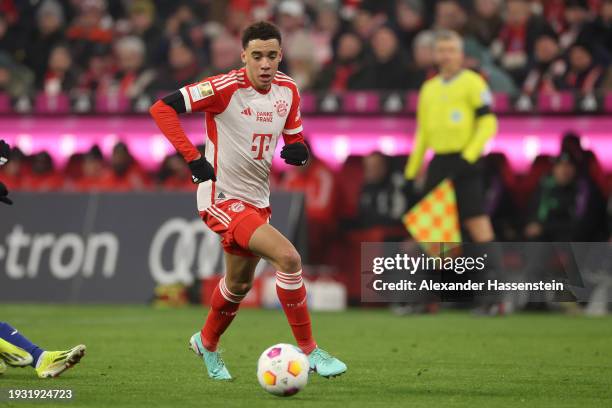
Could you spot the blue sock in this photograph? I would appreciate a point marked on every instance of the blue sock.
(10, 334)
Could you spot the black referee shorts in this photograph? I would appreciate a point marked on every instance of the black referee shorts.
(469, 186)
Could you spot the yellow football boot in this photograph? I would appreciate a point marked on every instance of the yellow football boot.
(53, 363)
(13, 355)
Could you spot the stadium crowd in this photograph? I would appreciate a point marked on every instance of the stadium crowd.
(153, 46)
(146, 46)
(560, 198)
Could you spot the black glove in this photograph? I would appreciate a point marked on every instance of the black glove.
(201, 171)
(5, 151)
(4, 194)
(295, 154)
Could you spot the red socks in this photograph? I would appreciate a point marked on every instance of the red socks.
(292, 295)
(223, 308)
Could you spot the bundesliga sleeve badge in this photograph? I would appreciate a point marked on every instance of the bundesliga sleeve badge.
(201, 91)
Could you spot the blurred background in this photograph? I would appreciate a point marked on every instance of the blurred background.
(77, 78)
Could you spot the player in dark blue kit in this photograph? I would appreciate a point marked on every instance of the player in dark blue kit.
(15, 349)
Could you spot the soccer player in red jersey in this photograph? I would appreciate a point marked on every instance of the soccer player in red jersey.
(247, 110)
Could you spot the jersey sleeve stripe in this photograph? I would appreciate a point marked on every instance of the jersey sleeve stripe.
(284, 82)
(186, 99)
(221, 77)
(285, 77)
(225, 85)
(224, 80)
(218, 83)
(293, 131)
(279, 78)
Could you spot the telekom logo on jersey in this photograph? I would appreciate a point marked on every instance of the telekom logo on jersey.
(261, 144)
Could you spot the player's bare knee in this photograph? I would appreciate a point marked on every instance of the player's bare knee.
(289, 261)
(238, 287)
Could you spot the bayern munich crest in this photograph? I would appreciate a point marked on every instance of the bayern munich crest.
(281, 107)
(237, 207)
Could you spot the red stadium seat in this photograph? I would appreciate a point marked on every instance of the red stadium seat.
(5, 103)
(351, 175)
(361, 102)
(555, 102)
(116, 103)
(46, 103)
(73, 169)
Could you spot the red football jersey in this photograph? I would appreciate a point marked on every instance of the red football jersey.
(243, 125)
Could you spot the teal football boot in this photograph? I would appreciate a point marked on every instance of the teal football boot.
(324, 364)
(212, 359)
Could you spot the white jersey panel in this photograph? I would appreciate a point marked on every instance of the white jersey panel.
(247, 133)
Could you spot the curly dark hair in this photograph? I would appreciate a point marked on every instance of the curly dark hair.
(261, 30)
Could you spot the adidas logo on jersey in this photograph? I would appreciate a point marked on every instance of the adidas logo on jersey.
(247, 112)
(221, 196)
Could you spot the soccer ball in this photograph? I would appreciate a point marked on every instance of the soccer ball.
(283, 370)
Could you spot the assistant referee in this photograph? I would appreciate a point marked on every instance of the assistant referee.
(454, 119)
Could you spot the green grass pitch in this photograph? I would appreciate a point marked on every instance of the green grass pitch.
(138, 357)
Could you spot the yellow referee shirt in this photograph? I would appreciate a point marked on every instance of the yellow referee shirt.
(453, 116)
